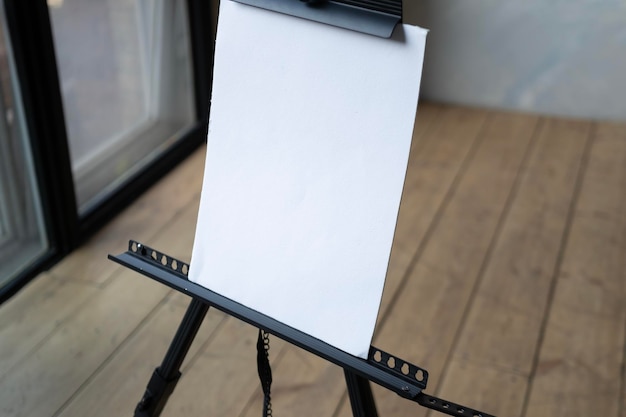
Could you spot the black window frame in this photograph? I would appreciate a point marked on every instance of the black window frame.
(30, 30)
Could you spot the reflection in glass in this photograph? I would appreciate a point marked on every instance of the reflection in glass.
(22, 234)
(126, 82)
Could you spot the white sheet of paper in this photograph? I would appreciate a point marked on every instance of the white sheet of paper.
(309, 137)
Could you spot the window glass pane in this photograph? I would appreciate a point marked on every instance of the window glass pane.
(22, 233)
(126, 82)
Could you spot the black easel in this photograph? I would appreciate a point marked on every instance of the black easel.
(405, 379)
(375, 17)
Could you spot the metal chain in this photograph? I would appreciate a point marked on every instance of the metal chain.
(265, 371)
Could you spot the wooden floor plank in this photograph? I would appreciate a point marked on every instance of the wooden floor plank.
(53, 372)
(73, 282)
(623, 404)
(504, 322)
(28, 319)
(427, 315)
(119, 386)
(579, 368)
(430, 175)
(428, 120)
(489, 388)
(431, 171)
(141, 221)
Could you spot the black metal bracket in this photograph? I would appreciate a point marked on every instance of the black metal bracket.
(403, 378)
(378, 18)
(157, 393)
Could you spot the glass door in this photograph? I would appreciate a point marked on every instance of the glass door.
(125, 68)
(23, 237)
(98, 100)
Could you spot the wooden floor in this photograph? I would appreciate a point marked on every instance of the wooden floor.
(507, 282)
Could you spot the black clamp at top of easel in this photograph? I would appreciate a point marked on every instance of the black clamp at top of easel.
(378, 18)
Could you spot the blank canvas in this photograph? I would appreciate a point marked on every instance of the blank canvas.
(309, 137)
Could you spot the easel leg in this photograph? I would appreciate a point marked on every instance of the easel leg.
(166, 376)
(360, 393)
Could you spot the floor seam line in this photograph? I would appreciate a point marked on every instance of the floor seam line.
(571, 214)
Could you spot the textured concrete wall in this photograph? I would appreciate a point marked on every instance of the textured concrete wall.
(564, 57)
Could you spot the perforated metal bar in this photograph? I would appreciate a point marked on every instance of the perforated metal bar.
(160, 267)
(382, 368)
(180, 268)
(448, 407)
(411, 373)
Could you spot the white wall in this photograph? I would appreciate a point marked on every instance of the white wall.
(564, 57)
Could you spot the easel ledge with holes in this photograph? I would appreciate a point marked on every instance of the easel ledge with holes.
(389, 371)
